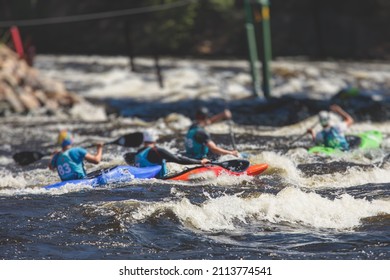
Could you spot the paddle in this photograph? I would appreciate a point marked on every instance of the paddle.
(129, 158)
(301, 136)
(129, 140)
(222, 88)
(234, 165)
(232, 135)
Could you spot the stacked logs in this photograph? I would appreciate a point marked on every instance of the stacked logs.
(24, 90)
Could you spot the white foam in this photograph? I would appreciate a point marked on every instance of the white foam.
(232, 212)
(5, 160)
(88, 112)
(12, 181)
(278, 164)
(295, 206)
(354, 176)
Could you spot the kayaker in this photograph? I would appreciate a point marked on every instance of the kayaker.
(198, 141)
(151, 155)
(332, 135)
(69, 162)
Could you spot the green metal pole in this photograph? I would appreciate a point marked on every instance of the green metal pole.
(253, 58)
(267, 49)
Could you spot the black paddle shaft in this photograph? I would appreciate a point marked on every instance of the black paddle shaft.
(234, 165)
(303, 134)
(134, 139)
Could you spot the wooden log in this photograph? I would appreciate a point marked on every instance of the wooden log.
(24, 89)
(29, 101)
(13, 100)
(52, 105)
(7, 52)
(10, 79)
(41, 97)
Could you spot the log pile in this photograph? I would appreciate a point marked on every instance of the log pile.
(24, 90)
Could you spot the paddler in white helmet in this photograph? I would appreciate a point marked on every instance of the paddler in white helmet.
(332, 135)
(151, 155)
(69, 162)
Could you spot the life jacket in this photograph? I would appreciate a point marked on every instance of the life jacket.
(67, 168)
(333, 139)
(141, 160)
(195, 149)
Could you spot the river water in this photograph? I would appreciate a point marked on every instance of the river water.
(303, 207)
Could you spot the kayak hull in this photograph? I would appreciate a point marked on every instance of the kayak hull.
(215, 170)
(256, 169)
(371, 139)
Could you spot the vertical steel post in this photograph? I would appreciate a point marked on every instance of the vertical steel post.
(267, 49)
(252, 46)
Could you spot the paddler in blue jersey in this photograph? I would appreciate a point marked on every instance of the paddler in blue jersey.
(151, 155)
(69, 162)
(198, 141)
(332, 135)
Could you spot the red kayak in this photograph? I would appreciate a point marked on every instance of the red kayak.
(234, 167)
(216, 170)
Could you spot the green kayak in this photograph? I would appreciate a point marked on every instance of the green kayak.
(371, 139)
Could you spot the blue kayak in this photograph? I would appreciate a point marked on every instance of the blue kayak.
(114, 175)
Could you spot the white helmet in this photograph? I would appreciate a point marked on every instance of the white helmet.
(150, 136)
(324, 118)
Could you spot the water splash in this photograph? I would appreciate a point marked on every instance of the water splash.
(300, 209)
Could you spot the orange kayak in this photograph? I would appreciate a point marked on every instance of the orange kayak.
(214, 170)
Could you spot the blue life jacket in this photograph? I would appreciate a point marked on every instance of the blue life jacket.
(333, 139)
(141, 160)
(69, 164)
(195, 149)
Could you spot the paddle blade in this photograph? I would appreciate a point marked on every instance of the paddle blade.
(27, 157)
(235, 165)
(134, 139)
(129, 158)
(303, 134)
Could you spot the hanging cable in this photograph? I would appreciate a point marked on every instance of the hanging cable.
(104, 15)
